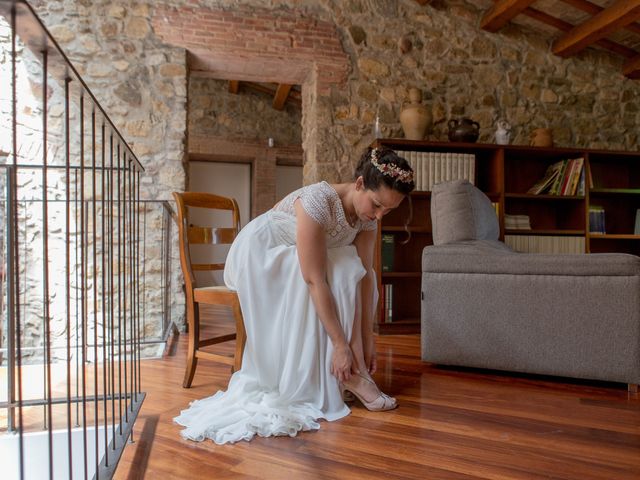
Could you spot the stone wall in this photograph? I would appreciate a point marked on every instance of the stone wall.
(246, 116)
(464, 71)
(141, 77)
(461, 70)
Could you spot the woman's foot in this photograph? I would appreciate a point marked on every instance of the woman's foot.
(366, 390)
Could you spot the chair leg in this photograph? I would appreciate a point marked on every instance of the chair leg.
(241, 337)
(193, 319)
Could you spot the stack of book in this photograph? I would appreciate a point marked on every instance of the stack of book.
(545, 243)
(517, 222)
(565, 177)
(596, 219)
(387, 301)
(430, 168)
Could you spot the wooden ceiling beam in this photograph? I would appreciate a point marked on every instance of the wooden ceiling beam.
(234, 86)
(618, 15)
(280, 98)
(501, 12)
(260, 87)
(594, 9)
(631, 68)
(567, 27)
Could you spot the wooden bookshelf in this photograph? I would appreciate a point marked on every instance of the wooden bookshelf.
(505, 174)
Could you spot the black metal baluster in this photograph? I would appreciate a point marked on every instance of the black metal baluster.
(131, 280)
(45, 263)
(95, 289)
(144, 273)
(105, 362)
(112, 295)
(77, 288)
(123, 292)
(15, 265)
(83, 289)
(119, 237)
(139, 389)
(67, 141)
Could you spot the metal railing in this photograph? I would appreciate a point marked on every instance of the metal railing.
(85, 264)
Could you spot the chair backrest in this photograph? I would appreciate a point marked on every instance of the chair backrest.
(190, 234)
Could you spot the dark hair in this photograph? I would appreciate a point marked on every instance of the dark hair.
(374, 178)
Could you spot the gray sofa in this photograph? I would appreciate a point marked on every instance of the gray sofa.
(487, 306)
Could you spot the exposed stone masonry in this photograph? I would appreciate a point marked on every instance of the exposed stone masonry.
(245, 116)
(462, 71)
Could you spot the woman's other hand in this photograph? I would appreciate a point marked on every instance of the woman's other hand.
(342, 364)
(370, 356)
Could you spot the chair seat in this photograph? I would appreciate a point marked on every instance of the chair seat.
(215, 294)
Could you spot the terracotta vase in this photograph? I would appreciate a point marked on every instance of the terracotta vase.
(541, 137)
(415, 117)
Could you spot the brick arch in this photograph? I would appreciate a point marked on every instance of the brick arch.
(255, 44)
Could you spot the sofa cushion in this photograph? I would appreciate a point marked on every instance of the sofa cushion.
(460, 211)
(494, 258)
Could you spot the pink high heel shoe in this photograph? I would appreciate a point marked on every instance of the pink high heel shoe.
(380, 403)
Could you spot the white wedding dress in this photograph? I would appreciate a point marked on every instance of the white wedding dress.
(285, 384)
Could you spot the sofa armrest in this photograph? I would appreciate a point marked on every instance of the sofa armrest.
(487, 257)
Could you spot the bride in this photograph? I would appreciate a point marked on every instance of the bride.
(304, 276)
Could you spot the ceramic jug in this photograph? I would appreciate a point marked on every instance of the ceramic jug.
(463, 130)
(541, 137)
(503, 132)
(415, 117)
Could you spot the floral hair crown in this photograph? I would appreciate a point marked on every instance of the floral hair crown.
(391, 169)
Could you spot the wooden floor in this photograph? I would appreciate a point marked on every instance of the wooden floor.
(451, 424)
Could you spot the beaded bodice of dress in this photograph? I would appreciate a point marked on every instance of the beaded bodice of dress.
(322, 203)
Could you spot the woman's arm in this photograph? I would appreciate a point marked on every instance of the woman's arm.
(312, 254)
(365, 243)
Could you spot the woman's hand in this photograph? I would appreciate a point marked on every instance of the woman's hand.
(370, 356)
(342, 364)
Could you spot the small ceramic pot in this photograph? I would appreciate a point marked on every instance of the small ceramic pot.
(541, 137)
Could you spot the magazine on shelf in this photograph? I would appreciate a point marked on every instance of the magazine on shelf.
(550, 175)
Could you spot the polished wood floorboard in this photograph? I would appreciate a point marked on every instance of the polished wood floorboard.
(451, 424)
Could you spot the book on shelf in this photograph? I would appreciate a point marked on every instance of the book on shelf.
(545, 243)
(430, 168)
(517, 222)
(387, 251)
(596, 219)
(550, 176)
(496, 208)
(560, 178)
(636, 227)
(581, 188)
(387, 302)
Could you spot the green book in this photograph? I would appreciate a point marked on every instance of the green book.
(387, 251)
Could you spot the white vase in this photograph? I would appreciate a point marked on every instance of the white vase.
(503, 132)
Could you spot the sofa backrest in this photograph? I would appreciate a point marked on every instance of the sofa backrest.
(460, 211)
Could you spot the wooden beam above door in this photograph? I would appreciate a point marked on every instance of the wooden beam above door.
(281, 95)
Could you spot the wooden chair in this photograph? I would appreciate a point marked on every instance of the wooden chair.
(216, 295)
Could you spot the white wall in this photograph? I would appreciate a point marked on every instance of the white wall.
(228, 180)
(288, 179)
